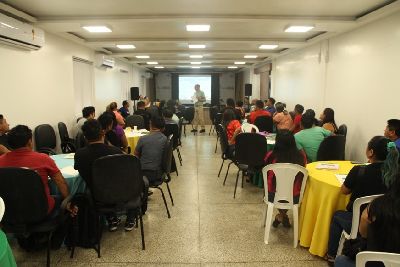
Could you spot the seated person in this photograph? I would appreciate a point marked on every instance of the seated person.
(327, 120)
(282, 118)
(230, 104)
(298, 112)
(239, 106)
(150, 148)
(84, 159)
(167, 114)
(270, 106)
(124, 110)
(22, 155)
(87, 114)
(364, 180)
(392, 131)
(258, 111)
(232, 126)
(285, 151)
(4, 128)
(116, 136)
(311, 136)
(141, 110)
(113, 108)
(379, 225)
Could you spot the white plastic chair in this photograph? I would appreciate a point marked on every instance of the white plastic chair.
(2, 208)
(248, 127)
(388, 259)
(355, 221)
(285, 174)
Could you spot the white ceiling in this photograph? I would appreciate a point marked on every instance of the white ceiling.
(238, 27)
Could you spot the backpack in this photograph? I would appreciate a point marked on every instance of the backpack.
(83, 229)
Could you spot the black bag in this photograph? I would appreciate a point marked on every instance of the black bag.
(83, 230)
(352, 247)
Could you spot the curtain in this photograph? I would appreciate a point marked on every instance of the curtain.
(215, 89)
(175, 86)
(239, 84)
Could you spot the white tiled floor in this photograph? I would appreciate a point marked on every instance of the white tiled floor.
(208, 226)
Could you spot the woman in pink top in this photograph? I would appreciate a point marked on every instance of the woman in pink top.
(114, 108)
(282, 118)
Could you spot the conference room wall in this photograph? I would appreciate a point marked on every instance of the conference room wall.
(254, 80)
(357, 76)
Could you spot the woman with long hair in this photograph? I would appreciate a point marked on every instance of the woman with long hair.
(114, 108)
(282, 118)
(231, 124)
(285, 151)
(327, 118)
(364, 180)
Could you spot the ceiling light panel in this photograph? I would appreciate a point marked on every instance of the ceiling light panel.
(152, 63)
(197, 46)
(158, 67)
(250, 56)
(143, 56)
(198, 28)
(240, 63)
(268, 46)
(97, 29)
(298, 28)
(126, 46)
(196, 56)
(232, 67)
(195, 63)
(196, 67)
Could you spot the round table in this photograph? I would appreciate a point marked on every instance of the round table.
(133, 138)
(6, 255)
(321, 199)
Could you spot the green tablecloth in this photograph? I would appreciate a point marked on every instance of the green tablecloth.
(6, 255)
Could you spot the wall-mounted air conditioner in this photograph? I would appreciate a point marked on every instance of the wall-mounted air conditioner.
(19, 34)
(104, 61)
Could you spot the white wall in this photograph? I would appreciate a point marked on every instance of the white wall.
(254, 79)
(227, 86)
(355, 73)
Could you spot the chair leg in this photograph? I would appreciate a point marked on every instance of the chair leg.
(216, 144)
(170, 195)
(99, 229)
(74, 236)
(48, 248)
(209, 133)
(264, 216)
(237, 178)
(268, 222)
(220, 169)
(242, 178)
(184, 129)
(227, 171)
(295, 225)
(141, 229)
(165, 202)
(179, 156)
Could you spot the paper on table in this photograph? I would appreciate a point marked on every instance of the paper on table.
(69, 170)
(341, 177)
(69, 156)
(327, 166)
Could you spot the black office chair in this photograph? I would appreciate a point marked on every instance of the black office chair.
(23, 193)
(166, 170)
(332, 148)
(173, 129)
(213, 112)
(135, 120)
(117, 185)
(188, 117)
(226, 152)
(80, 141)
(342, 130)
(45, 139)
(217, 121)
(250, 150)
(264, 124)
(67, 143)
(180, 125)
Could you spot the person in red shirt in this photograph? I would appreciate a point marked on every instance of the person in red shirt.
(258, 111)
(285, 151)
(20, 141)
(298, 113)
(232, 125)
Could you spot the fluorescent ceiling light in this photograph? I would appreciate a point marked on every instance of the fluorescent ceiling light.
(197, 46)
(8, 26)
(250, 56)
(198, 28)
(299, 28)
(158, 67)
(195, 63)
(97, 28)
(265, 46)
(142, 56)
(232, 67)
(195, 67)
(196, 56)
(152, 63)
(126, 46)
(240, 63)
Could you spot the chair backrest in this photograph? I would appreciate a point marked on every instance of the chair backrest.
(135, 120)
(45, 136)
(188, 115)
(167, 155)
(172, 129)
(264, 124)
(342, 130)
(117, 179)
(63, 132)
(213, 112)
(285, 174)
(23, 193)
(356, 213)
(223, 140)
(180, 124)
(250, 149)
(217, 118)
(80, 141)
(248, 128)
(332, 148)
(388, 259)
(2, 208)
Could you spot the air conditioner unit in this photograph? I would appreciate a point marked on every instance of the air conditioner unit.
(19, 34)
(104, 61)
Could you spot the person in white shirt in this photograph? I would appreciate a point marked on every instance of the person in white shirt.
(198, 98)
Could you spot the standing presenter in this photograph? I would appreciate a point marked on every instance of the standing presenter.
(198, 99)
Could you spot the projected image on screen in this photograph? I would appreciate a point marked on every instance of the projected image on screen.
(186, 87)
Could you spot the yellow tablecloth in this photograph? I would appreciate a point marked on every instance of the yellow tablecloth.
(322, 198)
(132, 138)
